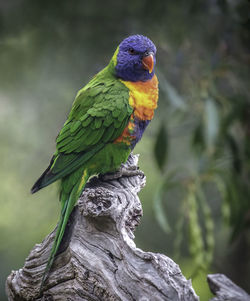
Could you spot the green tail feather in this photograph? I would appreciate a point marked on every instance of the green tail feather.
(67, 208)
(54, 249)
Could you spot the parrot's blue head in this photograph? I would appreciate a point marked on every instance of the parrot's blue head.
(135, 59)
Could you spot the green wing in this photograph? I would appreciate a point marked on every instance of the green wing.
(99, 115)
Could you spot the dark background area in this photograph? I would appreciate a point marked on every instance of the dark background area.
(195, 153)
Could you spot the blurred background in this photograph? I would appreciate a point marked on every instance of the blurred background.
(195, 154)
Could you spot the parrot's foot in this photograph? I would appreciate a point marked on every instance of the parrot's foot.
(128, 169)
(122, 172)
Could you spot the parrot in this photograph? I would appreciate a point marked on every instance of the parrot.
(107, 119)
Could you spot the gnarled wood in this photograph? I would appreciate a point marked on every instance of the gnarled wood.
(224, 289)
(98, 259)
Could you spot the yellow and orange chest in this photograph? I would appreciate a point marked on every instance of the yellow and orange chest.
(143, 97)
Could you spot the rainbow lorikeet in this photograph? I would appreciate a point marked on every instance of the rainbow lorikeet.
(108, 118)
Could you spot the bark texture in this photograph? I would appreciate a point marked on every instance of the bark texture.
(224, 289)
(98, 259)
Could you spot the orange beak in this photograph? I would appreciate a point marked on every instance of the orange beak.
(148, 62)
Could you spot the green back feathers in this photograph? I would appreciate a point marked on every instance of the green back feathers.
(99, 115)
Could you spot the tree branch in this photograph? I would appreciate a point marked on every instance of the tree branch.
(224, 289)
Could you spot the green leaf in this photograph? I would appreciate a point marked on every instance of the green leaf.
(222, 189)
(211, 123)
(159, 210)
(171, 93)
(161, 147)
(179, 231)
(196, 244)
(236, 156)
(208, 224)
(198, 138)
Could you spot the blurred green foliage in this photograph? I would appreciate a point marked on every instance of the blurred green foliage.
(196, 152)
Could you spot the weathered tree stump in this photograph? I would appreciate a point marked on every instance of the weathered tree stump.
(224, 289)
(98, 259)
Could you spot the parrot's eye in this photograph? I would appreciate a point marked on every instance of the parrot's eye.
(131, 51)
